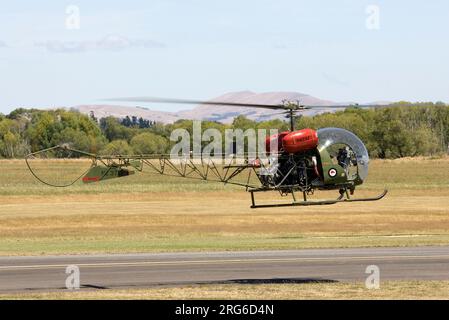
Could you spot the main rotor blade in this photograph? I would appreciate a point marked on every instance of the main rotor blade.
(344, 106)
(214, 103)
(280, 106)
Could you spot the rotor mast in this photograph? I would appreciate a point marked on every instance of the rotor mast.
(292, 121)
(291, 107)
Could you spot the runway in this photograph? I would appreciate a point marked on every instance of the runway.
(19, 274)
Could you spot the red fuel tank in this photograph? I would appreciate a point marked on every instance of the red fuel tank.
(277, 140)
(299, 141)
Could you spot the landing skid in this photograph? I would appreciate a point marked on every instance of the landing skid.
(315, 203)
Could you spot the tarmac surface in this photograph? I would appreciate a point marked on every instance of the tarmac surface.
(120, 271)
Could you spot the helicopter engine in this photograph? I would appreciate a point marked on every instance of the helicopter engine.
(295, 163)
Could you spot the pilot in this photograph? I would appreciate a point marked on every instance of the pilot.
(344, 157)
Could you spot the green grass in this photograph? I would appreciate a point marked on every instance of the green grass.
(204, 242)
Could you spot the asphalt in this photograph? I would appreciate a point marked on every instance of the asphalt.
(42, 273)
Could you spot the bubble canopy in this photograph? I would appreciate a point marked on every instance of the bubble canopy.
(331, 136)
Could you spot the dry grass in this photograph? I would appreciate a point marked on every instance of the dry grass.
(387, 290)
(152, 213)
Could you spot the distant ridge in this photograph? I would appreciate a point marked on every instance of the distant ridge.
(222, 114)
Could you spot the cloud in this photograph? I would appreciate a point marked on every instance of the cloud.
(116, 42)
(107, 43)
(2, 44)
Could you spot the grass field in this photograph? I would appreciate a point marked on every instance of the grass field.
(145, 213)
(150, 213)
(387, 290)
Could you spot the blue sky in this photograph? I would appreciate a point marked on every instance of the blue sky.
(200, 49)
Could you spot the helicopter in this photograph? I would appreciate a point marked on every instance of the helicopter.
(298, 161)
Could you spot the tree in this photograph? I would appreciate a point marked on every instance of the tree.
(149, 143)
(274, 124)
(404, 129)
(134, 121)
(11, 142)
(49, 128)
(425, 142)
(21, 112)
(113, 130)
(242, 122)
(79, 140)
(92, 116)
(117, 147)
(143, 123)
(126, 121)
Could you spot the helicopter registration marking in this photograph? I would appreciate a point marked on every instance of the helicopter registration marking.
(89, 179)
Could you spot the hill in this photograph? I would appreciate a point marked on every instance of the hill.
(222, 114)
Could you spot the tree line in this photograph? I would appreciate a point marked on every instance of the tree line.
(400, 130)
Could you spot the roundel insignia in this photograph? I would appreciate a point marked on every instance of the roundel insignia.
(332, 172)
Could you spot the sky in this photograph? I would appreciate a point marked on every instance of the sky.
(67, 53)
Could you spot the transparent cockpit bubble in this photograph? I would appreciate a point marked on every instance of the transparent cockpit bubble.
(330, 138)
(57, 166)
